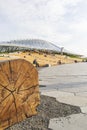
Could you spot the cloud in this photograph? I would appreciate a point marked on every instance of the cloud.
(63, 22)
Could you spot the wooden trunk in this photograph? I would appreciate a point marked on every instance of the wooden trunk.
(19, 92)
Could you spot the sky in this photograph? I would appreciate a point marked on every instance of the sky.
(62, 22)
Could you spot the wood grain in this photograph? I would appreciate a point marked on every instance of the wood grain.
(19, 92)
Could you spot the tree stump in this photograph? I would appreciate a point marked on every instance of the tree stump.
(19, 92)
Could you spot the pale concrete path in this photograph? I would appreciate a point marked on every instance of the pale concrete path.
(67, 83)
(68, 98)
(73, 122)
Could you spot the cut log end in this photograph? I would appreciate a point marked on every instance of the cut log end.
(19, 91)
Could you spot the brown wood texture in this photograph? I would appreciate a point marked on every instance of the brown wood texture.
(19, 92)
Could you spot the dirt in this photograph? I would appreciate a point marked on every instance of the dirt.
(48, 109)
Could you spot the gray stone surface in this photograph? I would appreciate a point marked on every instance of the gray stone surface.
(67, 83)
(73, 122)
(64, 76)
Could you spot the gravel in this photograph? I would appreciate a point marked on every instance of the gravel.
(48, 109)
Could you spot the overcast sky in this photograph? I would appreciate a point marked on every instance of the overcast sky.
(63, 22)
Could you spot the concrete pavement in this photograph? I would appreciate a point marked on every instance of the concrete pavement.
(73, 122)
(68, 84)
